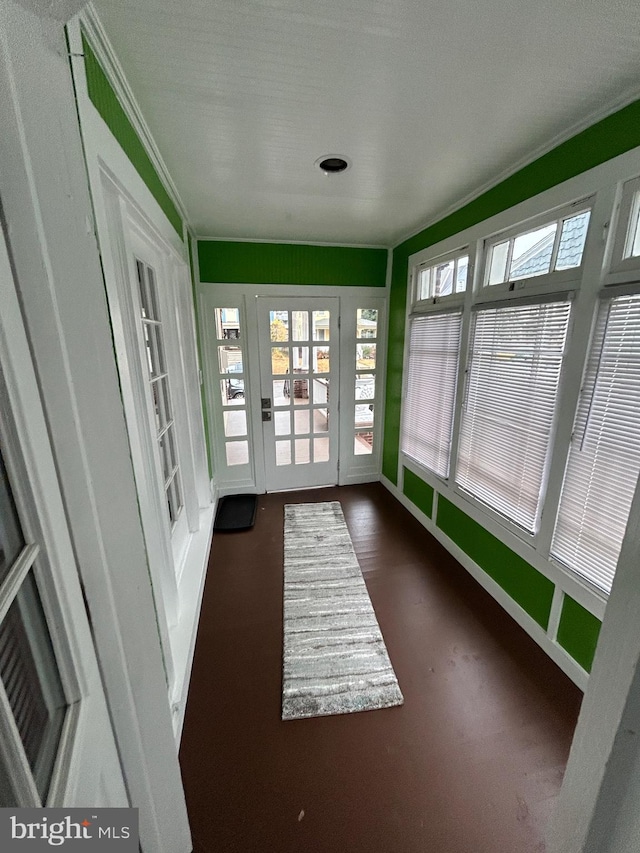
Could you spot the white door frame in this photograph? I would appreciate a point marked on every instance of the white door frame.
(251, 477)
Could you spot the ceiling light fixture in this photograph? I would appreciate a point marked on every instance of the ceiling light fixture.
(333, 164)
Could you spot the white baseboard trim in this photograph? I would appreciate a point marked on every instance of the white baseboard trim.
(566, 663)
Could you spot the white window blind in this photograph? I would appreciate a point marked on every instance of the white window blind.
(431, 387)
(508, 410)
(604, 457)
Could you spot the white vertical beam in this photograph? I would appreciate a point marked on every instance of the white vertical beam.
(598, 806)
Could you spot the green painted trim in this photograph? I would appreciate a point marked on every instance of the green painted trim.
(609, 138)
(578, 632)
(106, 102)
(418, 492)
(232, 262)
(530, 589)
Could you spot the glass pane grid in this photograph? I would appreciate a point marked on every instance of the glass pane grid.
(31, 680)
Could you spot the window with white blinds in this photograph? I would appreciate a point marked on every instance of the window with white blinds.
(604, 457)
(508, 411)
(434, 349)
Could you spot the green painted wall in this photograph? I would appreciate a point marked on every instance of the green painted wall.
(290, 263)
(106, 102)
(608, 138)
(578, 632)
(530, 589)
(418, 492)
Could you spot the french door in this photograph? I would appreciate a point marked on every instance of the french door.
(299, 385)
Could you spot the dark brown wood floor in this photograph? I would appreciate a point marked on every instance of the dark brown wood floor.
(471, 763)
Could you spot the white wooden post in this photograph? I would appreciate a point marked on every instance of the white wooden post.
(599, 806)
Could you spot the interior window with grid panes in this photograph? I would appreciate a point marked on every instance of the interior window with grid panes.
(159, 380)
(365, 380)
(231, 373)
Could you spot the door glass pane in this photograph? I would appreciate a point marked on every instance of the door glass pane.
(235, 423)
(300, 359)
(299, 325)
(320, 390)
(321, 450)
(363, 444)
(237, 452)
(300, 392)
(364, 415)
(230, 360)
(302, 451)
(321, 420)
(301, 421)
(31, 679)
(321, 360)
(283, 453)
(321, 325)
(227, 323)
(282, 423)
(281, 392)
(280, 360)
(11, 539)
(279, 325)
(232, 391)
(365, 386)
(367, 323)
(365, 356)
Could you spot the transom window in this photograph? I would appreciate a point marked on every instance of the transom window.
(548, 247)
(446, 278)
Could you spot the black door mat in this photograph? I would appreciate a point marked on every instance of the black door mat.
(236, 512)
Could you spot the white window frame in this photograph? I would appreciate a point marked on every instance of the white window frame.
(550, 282)
(434, 303)
(530, 537)
(606, 296)
(623, 268)
(601, 185)
(450, 309)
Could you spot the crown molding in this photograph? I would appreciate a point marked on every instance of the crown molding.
(203, 238)
(94, 30)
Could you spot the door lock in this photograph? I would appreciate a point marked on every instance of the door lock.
(266, 402)
(266, 416)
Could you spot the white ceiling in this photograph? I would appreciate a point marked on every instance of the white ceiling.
(430, 100)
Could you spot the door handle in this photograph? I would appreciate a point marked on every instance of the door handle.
(266, 416)
(266, 402)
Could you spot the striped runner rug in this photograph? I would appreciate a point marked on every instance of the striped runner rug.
(335, 660)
